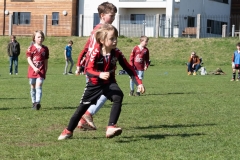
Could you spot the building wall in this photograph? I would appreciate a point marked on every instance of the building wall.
(39, 8)
(204, 7)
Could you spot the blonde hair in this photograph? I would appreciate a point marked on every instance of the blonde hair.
(142, 38)
(102, 32)
(34, 34)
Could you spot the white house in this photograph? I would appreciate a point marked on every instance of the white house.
(160, 17)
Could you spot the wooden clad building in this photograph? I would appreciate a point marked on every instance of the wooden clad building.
(54, 17)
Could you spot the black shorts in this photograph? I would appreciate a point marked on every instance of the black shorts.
(93, 92)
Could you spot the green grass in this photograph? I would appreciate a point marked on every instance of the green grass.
(179, 117)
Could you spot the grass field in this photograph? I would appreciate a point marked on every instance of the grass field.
(179, 117)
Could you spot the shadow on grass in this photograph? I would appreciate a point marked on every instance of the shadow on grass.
(12, 98)
(161, 136)
(175, 126)
(5, 108)
(57, 108)
(174, 93)
(157, 136)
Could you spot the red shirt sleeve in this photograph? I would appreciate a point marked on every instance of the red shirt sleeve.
(86, 47)
(147, 58)
(132, 56)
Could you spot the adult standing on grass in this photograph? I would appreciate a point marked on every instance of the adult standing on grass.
(68, 58)
(13, 50)
(100, 68)
(37, 57)
(236, 63)
(193, 64)
(139, 60)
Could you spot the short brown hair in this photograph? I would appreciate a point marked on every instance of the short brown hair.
(101, 33)
(238, 44)
(37, 31)
(142, 38)
(70, 42)
(106, 7)
(12, 36)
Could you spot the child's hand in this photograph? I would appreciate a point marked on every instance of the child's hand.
(145, 68)
(104, 75)
(141, 88)
(193, 66)
(36, 70)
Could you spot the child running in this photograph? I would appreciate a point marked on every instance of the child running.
(139, 59)
(236, 63)
(37, 57)
(106, 13)
(100, 68)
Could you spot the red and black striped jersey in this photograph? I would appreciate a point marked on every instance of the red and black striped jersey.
(97, 63)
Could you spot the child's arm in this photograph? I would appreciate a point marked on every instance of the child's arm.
(65, 53)
(46, 65)
(146, 60)
(8, 49)
(233, 59)
(128, 68)
(82, 54)
(90, 67)
(30, 62)
(131, 72)
(132, 56)
(46, 59)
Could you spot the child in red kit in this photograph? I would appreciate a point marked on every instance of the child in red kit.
(37, 57)
(139, 59)
(100, 68)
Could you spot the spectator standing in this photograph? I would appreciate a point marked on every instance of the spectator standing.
(13, 53)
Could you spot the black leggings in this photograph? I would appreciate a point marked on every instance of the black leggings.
(91, 95)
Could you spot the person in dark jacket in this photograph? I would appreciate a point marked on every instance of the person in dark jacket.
(13, 50)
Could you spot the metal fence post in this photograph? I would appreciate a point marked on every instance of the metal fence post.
(224, 30)
(45, 24)
(80, 25)
(233, 30)
(10, 25)
(118, 24)
(198, 25)
(157, 25)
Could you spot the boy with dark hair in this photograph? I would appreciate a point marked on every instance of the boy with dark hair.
(139, 59)
(13, 50)
(68, 58)
(236, 63)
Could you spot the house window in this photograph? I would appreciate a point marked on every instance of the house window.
(222, 1)
(215, 27)
(137, 18)
(55, 18)
(96, 19)
(21, 18)
(191, 21)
